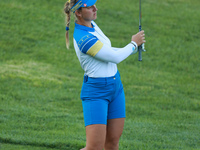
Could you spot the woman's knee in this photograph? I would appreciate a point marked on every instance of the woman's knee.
(111, 145)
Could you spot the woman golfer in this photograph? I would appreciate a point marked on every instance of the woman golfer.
(102, 92)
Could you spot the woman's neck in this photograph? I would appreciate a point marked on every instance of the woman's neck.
(85, 23)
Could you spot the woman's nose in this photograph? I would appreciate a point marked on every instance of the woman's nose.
(95, 8)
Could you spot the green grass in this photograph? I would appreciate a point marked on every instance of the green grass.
(40, 81)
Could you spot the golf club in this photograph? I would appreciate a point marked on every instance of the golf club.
(141, 47)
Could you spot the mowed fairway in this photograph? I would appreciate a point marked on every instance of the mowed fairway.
(40, 80)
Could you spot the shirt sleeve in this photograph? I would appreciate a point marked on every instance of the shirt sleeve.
(115, 55)
(90, 45)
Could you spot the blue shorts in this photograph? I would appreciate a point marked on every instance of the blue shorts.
(102, 99)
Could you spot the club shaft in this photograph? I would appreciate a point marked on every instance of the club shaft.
(140, 14)
(140, 28)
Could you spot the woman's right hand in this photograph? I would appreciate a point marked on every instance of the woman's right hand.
(139, 38)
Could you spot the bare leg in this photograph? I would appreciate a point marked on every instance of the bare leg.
(96, 136)
(114, 131)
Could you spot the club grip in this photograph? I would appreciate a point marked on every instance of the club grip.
(140, 53)
(140, 48)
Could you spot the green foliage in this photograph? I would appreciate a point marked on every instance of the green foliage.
(40, 80)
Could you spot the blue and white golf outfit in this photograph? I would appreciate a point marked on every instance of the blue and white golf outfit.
(102, 91)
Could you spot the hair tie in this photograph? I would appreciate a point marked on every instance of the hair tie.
(67, 28)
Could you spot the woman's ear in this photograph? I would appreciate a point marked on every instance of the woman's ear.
(78, 13)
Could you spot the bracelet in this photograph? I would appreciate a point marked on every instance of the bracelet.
(135, 44)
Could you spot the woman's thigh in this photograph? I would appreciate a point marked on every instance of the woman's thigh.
(96, 136)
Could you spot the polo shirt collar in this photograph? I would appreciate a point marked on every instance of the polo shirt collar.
(78, 26)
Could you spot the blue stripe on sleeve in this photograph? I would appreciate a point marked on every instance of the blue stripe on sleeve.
(86, 43)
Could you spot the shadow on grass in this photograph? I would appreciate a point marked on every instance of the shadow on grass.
(60, 146)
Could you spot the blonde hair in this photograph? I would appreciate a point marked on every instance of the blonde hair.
(67, 10)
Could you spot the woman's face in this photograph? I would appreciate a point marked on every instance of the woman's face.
(89, 13)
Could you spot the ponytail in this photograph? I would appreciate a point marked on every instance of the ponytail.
(68, 13)
(67, 10)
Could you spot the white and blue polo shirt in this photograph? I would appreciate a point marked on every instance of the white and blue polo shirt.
(95, 53)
